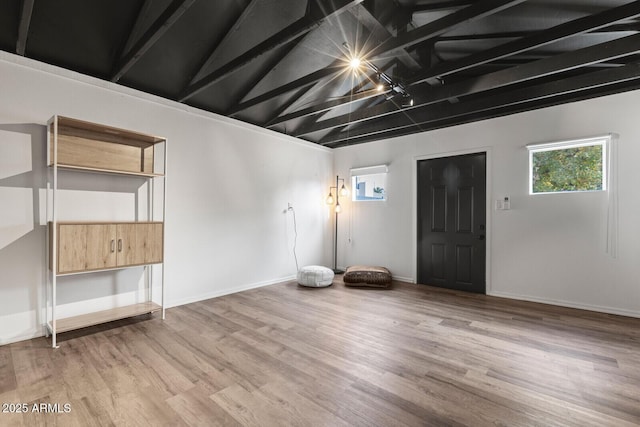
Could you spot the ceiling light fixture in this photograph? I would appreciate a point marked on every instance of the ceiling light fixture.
(407, 101)
(355, 64)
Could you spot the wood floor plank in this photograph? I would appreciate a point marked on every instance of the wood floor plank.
(197, 409)
(282, 355)
(11, 418)
(273, 404)
(8, 380)
(158, 371)
(81, 378)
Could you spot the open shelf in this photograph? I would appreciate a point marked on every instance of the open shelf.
(93, 147)
(108, 171)
(77, 322)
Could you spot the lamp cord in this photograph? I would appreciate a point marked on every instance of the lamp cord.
(295, 236)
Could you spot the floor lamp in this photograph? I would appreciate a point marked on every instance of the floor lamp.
(344, 192)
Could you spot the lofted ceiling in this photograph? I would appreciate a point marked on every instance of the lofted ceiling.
(285, 64)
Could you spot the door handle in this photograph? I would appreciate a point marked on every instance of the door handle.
(481, 237)
(113, 246)
(119, 245)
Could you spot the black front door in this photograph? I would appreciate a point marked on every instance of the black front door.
(452, 222)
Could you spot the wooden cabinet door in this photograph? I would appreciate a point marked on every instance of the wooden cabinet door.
(129, 252)
(139, 243)
(84, 247)
(72, 247)
(153, 244)
(101, 246)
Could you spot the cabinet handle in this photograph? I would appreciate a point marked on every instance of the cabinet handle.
(119, 245)
(113, 245)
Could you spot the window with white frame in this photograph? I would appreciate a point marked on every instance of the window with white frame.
(369, 184)
(568, 166)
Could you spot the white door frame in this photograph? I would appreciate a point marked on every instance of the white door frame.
(489, 198)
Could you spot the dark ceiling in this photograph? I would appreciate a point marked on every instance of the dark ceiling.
(284, 64)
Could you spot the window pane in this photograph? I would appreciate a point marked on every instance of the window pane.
(369, 187)
(567, 169)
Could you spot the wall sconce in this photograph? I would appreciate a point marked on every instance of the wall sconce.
(341, 191)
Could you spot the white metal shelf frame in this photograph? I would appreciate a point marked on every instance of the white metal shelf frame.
(51, 320)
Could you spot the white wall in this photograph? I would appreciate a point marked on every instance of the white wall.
(228, 184)
(548, 248)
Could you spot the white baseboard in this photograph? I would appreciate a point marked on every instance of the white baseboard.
(396, 278)
(227, 291)
(9, 335)
(569, 304)
(35, 331)
(22, 337)
(404, 279)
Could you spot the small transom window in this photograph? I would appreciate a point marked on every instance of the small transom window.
(369, 184)
(568, 166)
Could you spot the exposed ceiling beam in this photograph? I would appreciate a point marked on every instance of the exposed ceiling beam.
(169, 17)
(435, 28)
(620, 27)
(291, 86)
(311, 20)
(366, 18)
(545, 92)
(237, 108)
(485, 36)
(326, 9)
(564, 62)
(440, 5)
(328, 105)
(352, 95)
(139, 26)
(23, 28)
(248, 85)
(559, 32)
(292, 100)
(365, 101)
(212, 56)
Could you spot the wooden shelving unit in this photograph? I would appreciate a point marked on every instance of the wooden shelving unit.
(104, 316)
(84, 247)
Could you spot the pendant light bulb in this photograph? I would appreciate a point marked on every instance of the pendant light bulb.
(338, 208)
(330, 199)
(343, 191)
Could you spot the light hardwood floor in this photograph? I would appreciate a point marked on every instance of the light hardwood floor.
(286, 355)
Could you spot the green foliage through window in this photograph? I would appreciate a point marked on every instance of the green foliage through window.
(575, 168)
